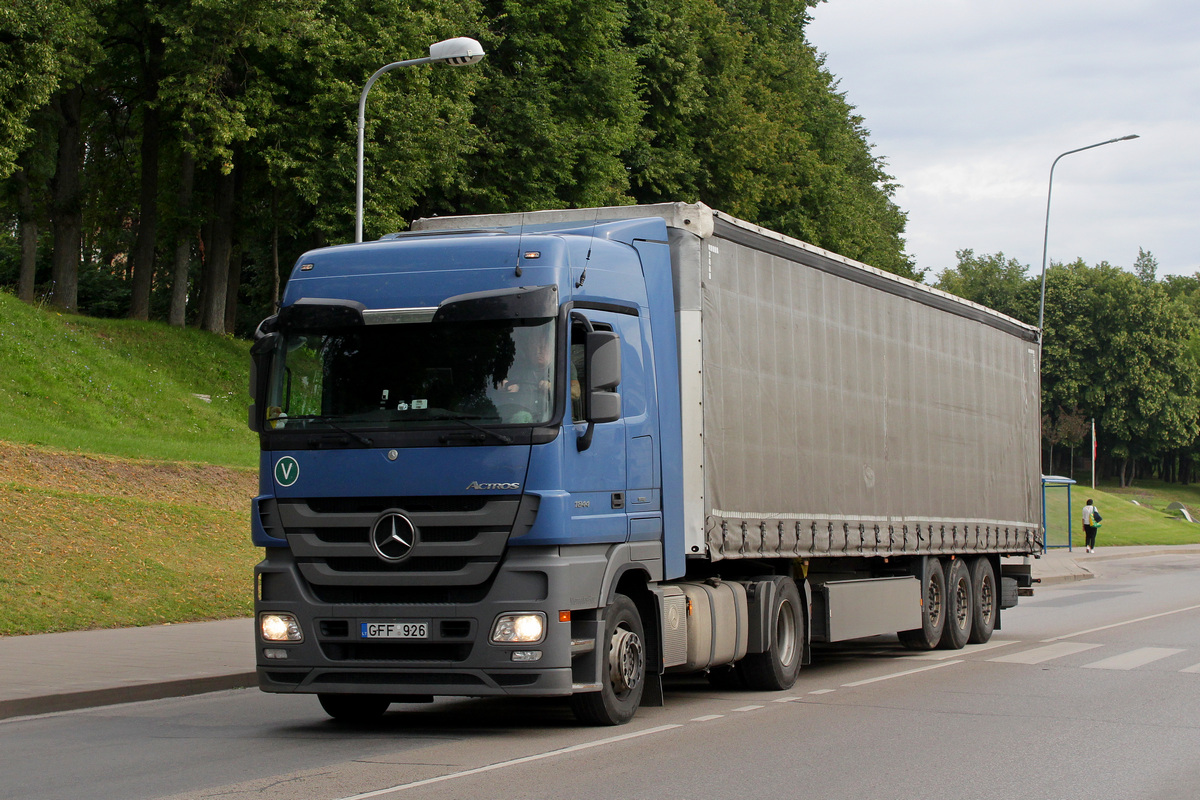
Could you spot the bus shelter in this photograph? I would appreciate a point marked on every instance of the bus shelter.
(1058, 520)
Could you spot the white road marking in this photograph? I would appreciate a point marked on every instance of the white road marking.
(966, 651)
(822, 691)
(1134, 658)
(747, 708)
(1039, 654)
(511, 763)
(1119, 624)
(1193, 668)
(707, 718)
(900, 674)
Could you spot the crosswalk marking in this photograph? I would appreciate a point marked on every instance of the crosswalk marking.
(943, 655)
(1039, 654)
(1134, 658)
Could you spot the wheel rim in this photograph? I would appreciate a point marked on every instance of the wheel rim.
(962, 604)
(785, 634)
(626, 660)
(987, 598)
(935, 603)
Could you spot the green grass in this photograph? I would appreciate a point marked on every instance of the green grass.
(1149, 522)
(121, 387)
(96, 541)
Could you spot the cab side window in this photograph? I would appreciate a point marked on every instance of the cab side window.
(578, 365)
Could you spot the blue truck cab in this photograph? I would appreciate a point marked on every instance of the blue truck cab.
(461, 467)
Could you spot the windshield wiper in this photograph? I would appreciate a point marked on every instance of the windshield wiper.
(364, 441)
(447, 417)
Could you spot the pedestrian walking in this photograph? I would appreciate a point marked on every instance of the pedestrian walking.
(1091, 521)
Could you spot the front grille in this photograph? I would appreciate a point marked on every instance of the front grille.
(399, 595)
(460, 540)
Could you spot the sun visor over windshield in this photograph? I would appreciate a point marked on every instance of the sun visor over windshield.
(527, 302)
(319, 314)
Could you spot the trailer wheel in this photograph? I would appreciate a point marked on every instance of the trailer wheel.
(933, 607)
(777, 668)
(985, 604)
(624, 662)
(354, 707)
(959, 606)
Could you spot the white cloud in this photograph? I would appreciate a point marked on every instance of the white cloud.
(969, 102)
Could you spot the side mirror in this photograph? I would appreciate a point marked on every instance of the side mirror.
(262, 353)
(603, 369)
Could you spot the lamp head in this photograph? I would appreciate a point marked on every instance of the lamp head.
(457, 52)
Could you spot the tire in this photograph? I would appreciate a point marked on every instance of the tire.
(959, 606)
(985, 604)
(624, 669)
(777, 668)
(354, 707)
(933, 608)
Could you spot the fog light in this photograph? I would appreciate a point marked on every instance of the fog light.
(527, 655)
(275, 652)
(514, 628)
(280, 628)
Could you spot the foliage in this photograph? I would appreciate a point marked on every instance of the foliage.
(1118, 347)
(222, 132)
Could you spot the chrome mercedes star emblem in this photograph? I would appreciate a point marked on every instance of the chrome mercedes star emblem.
(393, 536)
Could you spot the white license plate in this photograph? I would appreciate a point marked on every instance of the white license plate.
(395, 630)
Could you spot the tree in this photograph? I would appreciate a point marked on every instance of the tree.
(994, 281)
(1115, 348)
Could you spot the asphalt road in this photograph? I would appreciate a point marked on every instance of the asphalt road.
(1091, 691)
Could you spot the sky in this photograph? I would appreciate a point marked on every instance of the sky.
(970, 101)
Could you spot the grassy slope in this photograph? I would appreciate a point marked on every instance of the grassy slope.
(124, 498)
(122, 388)
(1125, 523)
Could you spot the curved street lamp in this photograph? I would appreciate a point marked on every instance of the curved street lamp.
(457, 52)
(1046, 238)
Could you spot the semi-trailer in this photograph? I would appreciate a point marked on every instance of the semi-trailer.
(571, 452)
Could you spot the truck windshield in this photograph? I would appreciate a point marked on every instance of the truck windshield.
(408, 376)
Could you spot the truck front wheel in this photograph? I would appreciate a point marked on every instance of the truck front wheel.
(777, 668)
(623, 663)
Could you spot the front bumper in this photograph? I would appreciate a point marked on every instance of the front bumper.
(456, 658)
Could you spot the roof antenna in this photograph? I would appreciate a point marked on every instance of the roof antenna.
(588, 257)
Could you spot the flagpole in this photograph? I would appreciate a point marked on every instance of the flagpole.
(1093, 454)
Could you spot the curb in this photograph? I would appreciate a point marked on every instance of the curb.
(94, 698)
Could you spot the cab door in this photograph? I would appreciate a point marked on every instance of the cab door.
(595, 477)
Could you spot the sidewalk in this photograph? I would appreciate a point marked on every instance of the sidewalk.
(64, 671)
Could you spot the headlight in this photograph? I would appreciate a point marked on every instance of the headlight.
(522, 628)
(280, 628)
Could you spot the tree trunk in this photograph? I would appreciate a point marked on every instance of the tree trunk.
(66, 212)
(183, 243)
(231, 292)
(142, 257)
(216, 267)
(27, 222)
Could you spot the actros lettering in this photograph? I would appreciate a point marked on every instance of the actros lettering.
(476, 485)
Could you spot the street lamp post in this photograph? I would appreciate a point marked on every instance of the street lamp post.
(455, 52)
(1046, 238)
